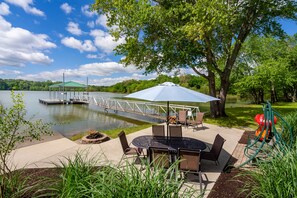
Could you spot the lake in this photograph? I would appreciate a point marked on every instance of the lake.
(70, 119)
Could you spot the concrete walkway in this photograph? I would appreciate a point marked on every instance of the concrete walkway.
(46, 154)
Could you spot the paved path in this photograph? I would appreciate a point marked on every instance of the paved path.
(45, 154)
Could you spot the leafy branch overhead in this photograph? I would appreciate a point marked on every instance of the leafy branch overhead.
(206, 36)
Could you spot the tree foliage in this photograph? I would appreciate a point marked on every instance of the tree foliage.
(206, 36)
(272, 70)
(14, 129)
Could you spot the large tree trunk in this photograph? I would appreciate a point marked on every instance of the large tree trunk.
(272, 94)
(261, 96)
(214, 105)
(223, 96)
(294, 94)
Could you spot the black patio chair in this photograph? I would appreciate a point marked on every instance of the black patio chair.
(215, 150)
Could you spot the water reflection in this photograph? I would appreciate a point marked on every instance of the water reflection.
(71, 119)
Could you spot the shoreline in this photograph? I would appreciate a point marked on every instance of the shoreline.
(44, 138)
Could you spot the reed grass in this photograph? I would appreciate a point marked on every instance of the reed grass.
(82, 177)
(276, 177)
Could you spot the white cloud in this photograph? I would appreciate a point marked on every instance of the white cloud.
(4, 9)
(19, 46)
(92, 69)
(106, 68)
(73, 28)
(102, 57)
(9, 72)
(86, 11)
(109, 81)
(91, 24)
(105, 41)
(102, 20)
(112, 81)
(66, 8)
(86, 45)
(27, 6)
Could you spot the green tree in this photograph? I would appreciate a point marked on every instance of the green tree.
(269, 68)
(206, 36)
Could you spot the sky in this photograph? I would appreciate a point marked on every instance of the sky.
(42, 39)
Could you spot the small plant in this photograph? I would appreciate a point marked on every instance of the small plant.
(14, 129)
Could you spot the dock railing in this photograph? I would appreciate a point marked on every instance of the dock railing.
(150, 109)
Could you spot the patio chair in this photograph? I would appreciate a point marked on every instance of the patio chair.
(215, 150)
(189, 161)
(158, 130)
(159, 157)
(128, 151)
(198, 121)
(175, 131)
(182, 117)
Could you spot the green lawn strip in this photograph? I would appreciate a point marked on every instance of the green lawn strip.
(113, 133)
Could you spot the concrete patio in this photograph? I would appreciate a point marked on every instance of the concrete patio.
(45, 154)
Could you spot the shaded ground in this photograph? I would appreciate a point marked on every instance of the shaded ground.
(229, 185)
(231, 182)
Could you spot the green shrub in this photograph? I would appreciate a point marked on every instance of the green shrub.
(276, 177)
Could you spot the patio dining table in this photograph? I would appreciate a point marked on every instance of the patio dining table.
(172, 143)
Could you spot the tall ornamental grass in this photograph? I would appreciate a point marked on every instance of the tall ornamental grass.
(82, 177)
(276, 177)
(291, 119)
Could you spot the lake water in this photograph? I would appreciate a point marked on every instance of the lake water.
(71, 119)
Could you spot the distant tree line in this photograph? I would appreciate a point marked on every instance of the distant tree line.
(18, 84)
(130, 86)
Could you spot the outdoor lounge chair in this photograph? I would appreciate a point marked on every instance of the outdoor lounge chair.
(198, 121)
(215, 150)
(182, 117)
(175, 131)
(158, 130)
(159, 157)
(128, 151)
(189, 161)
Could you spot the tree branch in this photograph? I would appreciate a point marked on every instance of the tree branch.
(210, 55)
(199, 73)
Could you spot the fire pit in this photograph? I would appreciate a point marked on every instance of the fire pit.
(94, 137)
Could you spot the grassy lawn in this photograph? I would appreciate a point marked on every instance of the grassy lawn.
(242, 115)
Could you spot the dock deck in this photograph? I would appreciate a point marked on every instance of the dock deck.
(59, 102)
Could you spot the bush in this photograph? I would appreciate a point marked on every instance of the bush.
(84, 178)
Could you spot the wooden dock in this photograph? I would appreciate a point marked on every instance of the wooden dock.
(60, 102)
